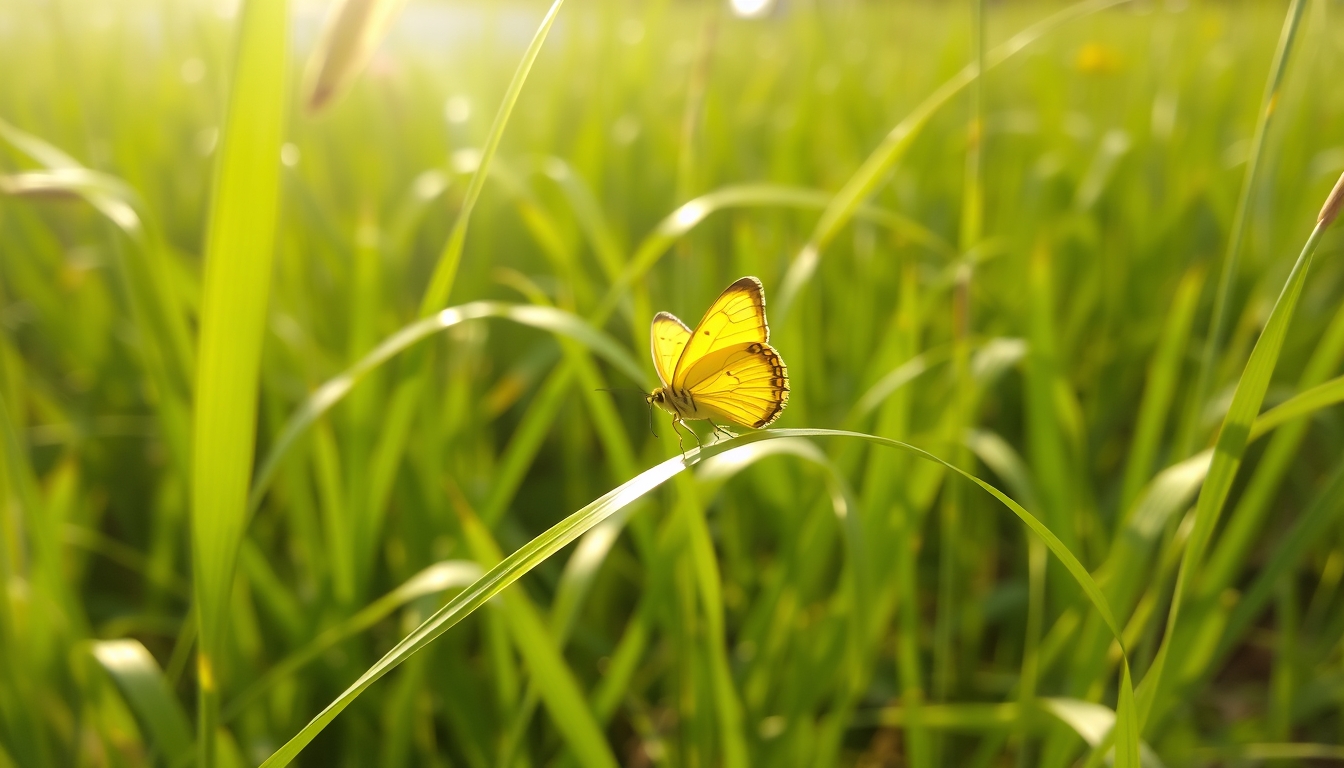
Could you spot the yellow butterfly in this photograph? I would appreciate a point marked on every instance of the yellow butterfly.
(725, 368)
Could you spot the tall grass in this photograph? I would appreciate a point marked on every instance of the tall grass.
(1043, 252)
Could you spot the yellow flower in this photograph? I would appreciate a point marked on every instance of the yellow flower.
(1097, 59)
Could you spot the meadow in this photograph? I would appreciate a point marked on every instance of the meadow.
(322, 384)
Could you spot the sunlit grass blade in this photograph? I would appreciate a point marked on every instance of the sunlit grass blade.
(109, 195)
(148, 271)
(332, 391)
(440, 286)
(150, 696)
(238, 254)
(157, 307)
(1100, 727)
(553, 678)
(349, 37)
(508, 571)
(565, 532)
(1247, 519)
(690, 214)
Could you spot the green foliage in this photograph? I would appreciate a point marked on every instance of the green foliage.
(326, 398)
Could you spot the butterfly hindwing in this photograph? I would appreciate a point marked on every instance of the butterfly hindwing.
(748, 386)
(668, 339)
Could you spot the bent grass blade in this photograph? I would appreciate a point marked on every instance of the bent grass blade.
(566, 531)
(332, 391)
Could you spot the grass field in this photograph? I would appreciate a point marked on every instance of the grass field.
(1060, 482)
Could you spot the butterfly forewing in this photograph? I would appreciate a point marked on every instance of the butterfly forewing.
(736, 317)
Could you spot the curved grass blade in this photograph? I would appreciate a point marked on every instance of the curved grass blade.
(689, 215)
(151, 698)
(41, 151)
(438, 577)
(333, 390)
(1099, 726)
(875, 168)
(566, 531)
(108, 194)
(239, 248)
(348, 40)
(152, 298)
(1300, 405)
(553, 680)
(721, 468)
(445, 271)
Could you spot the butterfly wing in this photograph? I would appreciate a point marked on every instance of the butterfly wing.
(747, 384)
(728, 365)
(736, 317)
(669, 337)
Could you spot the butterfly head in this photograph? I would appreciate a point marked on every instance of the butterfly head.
(658, 397)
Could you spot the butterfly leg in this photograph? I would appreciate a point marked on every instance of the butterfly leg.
(678, 425)
(721, 430)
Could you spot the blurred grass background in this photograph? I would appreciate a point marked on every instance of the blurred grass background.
(730, 617)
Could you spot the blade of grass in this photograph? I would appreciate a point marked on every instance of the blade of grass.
(511, 568)
(1299, 406)
(440, 577)
(1309, 528)
(1228, 272)
(949, 615)
(142, 683)
(348, 40)
(332, 391)
(1228, 451)
(691, 213)
(239, 248)
(1160, 387)
(440, 286)
(554, 680)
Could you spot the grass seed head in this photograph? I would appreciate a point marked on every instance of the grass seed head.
(1332, 204)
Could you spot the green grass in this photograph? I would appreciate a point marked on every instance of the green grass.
(305, 370)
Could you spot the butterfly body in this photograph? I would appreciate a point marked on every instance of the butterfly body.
(725, 369)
